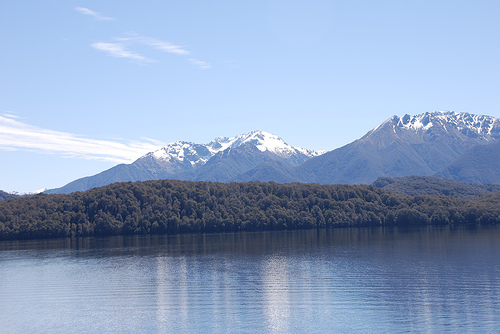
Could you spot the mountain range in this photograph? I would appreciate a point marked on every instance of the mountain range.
(424, 144)
(455, 145)
(222, 160)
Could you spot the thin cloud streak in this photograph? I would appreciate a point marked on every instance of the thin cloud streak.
(156, 44)
(95, 15)
(118, 50)
(16, 135)
(201, 64)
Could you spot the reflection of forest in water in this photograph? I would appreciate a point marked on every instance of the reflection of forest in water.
(257, 242)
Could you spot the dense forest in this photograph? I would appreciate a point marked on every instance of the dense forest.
(169, 206)
(432, 185)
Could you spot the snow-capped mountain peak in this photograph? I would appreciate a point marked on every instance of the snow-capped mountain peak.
(183, 151)
(479, 126)
(17, 193)
(198, 154)
(264, 141)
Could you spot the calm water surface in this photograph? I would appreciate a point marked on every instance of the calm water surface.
(344, 280)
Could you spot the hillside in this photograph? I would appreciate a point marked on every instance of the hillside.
(480, 164)
(432, 185)
(182, 206)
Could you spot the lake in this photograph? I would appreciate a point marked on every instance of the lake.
(432, 279)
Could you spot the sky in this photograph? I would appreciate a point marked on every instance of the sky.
(85, 85)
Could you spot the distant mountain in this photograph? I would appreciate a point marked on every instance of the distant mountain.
(14, 194)
(269, 171)
(479, 164)
(455, 145)
(220, 160)
(5, 195)
(231, 162)
(248, 151)
(433, 185)
(401, 146)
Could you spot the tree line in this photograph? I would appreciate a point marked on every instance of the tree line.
(432, 185)
(171, 206)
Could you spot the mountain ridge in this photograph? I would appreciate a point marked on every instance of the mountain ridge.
(215, 161)
(423, 144)
(401, 146)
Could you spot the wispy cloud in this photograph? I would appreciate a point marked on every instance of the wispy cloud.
(95, 15)
(8, 114)
(156, 44)
(122, 47)
(119, 50)
(201, 64)
(17, 135)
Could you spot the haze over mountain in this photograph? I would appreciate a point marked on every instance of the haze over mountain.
(443, 143)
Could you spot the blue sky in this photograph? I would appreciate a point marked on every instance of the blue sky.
(89, 84)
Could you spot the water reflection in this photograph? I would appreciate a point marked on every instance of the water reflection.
(249, 242)
(364, 280)
(276, 293)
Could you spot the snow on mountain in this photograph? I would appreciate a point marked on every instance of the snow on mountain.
(409, 145)
(264, 141)
(479, 126)
(421, 144)
(194, 153)
(198, 154)
(462, 121)
(220, 160)
(17, 193)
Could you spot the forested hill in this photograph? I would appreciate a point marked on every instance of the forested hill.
(432, 185)
(5, 195)
(168, 206)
